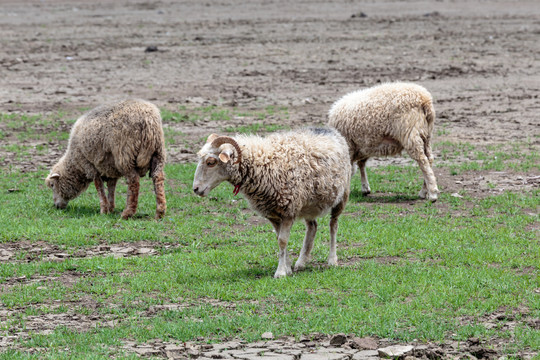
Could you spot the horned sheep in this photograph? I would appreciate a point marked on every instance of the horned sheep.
(384, 120)
(285, 176)
(124, 139)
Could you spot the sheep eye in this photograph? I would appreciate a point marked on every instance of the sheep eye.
(211, 162)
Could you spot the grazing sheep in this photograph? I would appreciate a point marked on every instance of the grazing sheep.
(285, 176)
(384, 120)
(111, 141)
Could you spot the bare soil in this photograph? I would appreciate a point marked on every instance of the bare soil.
(479, 60)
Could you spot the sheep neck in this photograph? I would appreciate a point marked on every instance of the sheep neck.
(248, 177)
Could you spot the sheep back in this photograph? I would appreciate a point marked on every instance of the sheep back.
(378, 121)
(114, 140)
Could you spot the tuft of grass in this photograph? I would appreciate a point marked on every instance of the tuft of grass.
(255, 128)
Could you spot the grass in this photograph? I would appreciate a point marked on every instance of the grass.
(409, 269)
(225, 115)
(255, 128)
(451, 263)
(462, 157)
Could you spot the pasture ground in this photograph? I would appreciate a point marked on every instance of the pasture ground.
(458, 278)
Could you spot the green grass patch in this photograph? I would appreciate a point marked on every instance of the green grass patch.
(255, 128)
(422, 271)
(523, 157)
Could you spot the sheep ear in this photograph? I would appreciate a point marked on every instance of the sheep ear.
(226, 154)
(211, 138)
(54, 176)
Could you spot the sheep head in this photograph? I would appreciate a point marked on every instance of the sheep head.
(65, 186)
(215, 159)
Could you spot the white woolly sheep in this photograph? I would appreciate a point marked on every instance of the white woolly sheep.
(124, 139)
(285, 176)
(384, 120)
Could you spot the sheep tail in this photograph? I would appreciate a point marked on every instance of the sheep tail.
(429, 113)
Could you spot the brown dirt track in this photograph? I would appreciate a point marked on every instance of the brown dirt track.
(479, 59)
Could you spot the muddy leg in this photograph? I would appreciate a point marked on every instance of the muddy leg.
(363, 177)
(159, 189)
(305, 253)
(132, 195)
(111, 187)
(103, 202)
(284, 265)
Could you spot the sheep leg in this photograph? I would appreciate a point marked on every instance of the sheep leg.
(336, 211)
(305, 253)
(132, 195)
(363, 177)
(111, 188)
(284, 265)
(103, 202)
(159, 190)
(416, 151)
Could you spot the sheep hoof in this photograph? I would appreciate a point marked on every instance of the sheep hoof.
(428, 196)
(160, 215)
(332, 262)
(299, 267)
(283, 273)
(126, 216)
(366, 192)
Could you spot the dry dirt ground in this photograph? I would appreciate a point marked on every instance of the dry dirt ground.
(479, 60)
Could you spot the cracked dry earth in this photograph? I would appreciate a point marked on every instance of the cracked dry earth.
(320, 347)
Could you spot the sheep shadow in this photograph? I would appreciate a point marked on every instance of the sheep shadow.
(357, 196)
(87, 211)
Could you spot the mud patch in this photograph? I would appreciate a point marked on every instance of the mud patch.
(319, 346)
(25, 251)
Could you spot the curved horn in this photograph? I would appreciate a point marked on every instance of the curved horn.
(228, 140)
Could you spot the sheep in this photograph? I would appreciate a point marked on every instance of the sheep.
(285, 176)
(384, 120)
(122, 139)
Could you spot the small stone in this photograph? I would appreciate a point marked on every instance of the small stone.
(323, 355)
(145, 250)
(360, 14)
(395, 351)
(230, 345)
(174, 347)
(267, 335)
(146, 351)
(338, 340)
(366, 343)
(193, 352)
(365, 355)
